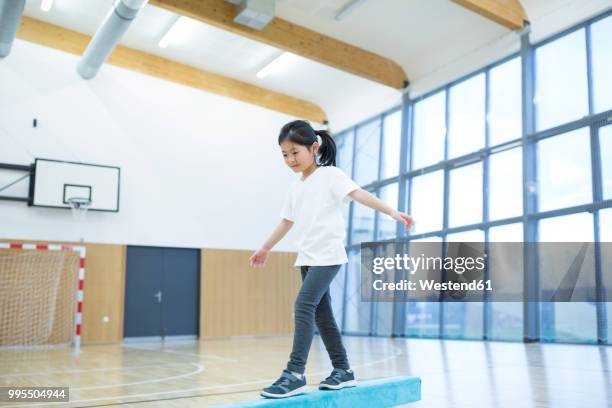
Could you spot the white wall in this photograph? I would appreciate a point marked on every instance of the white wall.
(197, 170)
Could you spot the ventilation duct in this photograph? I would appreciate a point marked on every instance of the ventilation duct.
(254, 13)
(108, 36)
(10, 14)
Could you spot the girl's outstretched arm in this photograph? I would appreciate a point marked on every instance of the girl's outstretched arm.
(259, 257)
(369, 200)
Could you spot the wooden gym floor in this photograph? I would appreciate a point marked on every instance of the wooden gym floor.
(455, 373)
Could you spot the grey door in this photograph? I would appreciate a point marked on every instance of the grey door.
(181, 289)
(161, 292)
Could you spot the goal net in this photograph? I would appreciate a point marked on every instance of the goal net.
(40, 294)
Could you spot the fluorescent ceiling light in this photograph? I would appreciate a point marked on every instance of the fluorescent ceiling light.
(176, 31)
(278, 64)
(46, 5)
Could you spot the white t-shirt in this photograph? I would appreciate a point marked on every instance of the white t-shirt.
(315, 207)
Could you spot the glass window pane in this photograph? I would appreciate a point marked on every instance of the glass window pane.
(357, 313)
(387, 225)
(506, 184)
(561, 81)
(463, 320)
(506, 233)
(465, 200)
(423, 318)
(466, 236)
(506, 317)
(429, 130)
(366, 155)
(605, 235)
(363, 224)
(336, 291)
(505, 116)
(564, 170)
(392, 137)
(466, 131)
(427, 202)
(344, 156)
(567, 321)
(601, 54)
(384, 318)
(568, 228)
(605, 145)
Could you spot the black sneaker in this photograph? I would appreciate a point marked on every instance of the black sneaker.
(287, 385)
(338, 379)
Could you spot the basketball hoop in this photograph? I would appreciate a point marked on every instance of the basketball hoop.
(79, 207)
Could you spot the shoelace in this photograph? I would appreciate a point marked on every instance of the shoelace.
(335, 375)
(282, 381)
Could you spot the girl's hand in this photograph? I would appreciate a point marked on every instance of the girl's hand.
(405, 219)
(258, 259)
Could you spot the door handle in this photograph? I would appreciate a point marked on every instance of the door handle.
(158, 295)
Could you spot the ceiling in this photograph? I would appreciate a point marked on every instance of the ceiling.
(434, 41)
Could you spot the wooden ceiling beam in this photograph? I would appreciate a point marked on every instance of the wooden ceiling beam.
(509, 13)
(73, 42)
(298, 40)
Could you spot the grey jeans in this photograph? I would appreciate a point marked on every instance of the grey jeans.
(313, 305)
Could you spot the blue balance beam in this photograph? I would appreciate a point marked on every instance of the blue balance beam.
(386, 392)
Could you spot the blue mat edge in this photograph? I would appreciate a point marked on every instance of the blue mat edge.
(415, 394)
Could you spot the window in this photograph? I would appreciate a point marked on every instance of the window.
(423, 318)
(567, 321)
(363, 224)
(366, 155)
(357, 312)
(344, 154)
(564, 170)
(465, 200)
(506, 184)
(463, 320)
(505, 115)
(506, 233)
(466, 236)
(561, 81)
(429, 131)
(601, 56)
(466, 132)
(506, 317)
(427, 202)
(392, 138)
(605, 235)
(387, 225)
(336, 291)
(605, 145)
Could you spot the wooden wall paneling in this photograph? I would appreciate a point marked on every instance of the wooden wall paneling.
(237, 300)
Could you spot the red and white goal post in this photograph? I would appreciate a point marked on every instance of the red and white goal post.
(41, 294)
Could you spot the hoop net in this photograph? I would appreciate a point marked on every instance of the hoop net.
(79, 207)
(40, 294)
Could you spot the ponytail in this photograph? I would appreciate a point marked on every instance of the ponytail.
(327, 150)
(300, 132)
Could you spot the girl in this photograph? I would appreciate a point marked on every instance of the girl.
(314, 208)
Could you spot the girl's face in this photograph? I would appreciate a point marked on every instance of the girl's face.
(298, 157)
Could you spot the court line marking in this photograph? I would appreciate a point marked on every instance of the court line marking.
(127, 368)
(212, 356)
(222, 386)
(199, 369)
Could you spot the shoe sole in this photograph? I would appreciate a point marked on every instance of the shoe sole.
(297, 391)
(346, 384)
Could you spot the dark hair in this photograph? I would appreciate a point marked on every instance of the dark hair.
(300, 132)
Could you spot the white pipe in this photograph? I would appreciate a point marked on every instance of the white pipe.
(10, 14)
(348, 9)
(108, 36)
